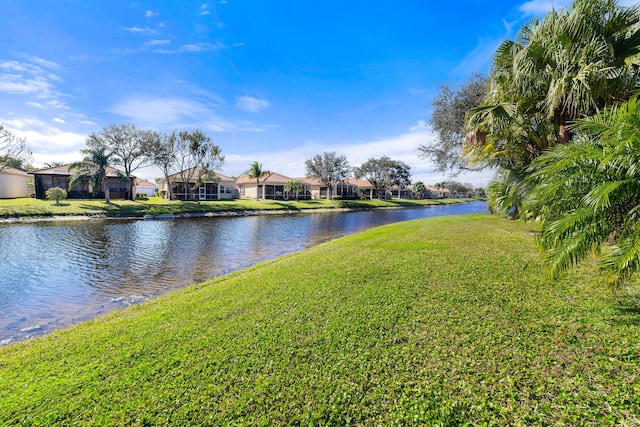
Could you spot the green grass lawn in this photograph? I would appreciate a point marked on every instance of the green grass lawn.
(27, 207)
(442, 321)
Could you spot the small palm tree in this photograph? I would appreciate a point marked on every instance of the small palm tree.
(295, 187)
(256, 172)
(93, 167)
(586, 194)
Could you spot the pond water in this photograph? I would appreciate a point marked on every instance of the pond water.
(54, 274)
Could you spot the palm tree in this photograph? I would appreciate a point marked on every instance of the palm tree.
(586, 194)
(295, 187)
(93, 167)
(568, 65)
(256, 172)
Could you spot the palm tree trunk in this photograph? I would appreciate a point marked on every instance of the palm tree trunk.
(565, 133)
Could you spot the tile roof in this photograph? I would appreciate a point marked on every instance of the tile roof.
(64, 171)
(362, 183)
(271, 178)
(442, 190)
(13, 171)
(144, 183)
(220, 176)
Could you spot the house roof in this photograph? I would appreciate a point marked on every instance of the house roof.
(220, 176)
(362, 183)
(13, 171)
(442, 190)
(144, 183)
(64, 171)
(398, 187)
(310, 181)
(271, 178)
(356, 182)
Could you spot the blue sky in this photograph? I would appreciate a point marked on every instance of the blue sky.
(276, 81)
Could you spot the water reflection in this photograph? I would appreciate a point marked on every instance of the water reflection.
(55, 274)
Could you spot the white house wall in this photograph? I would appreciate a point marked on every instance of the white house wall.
(12, 186)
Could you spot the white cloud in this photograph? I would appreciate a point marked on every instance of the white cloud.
(202, 47)
(22, 78)
(48, 142)
(198, 47)
(251, 104)
(59, 120)
(168, 113)
(537, 7)
(150, 13)
(42, 62)
(478, 60)
(158, 110)
(157, 42)
(133, 29)
(541, 7)
(54, 103)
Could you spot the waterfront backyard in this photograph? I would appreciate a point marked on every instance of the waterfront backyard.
(440, 321)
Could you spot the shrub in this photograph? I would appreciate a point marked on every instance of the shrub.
(57, 194)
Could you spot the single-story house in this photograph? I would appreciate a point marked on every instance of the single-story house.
(215, 187)
(14, 183)
(436, 193)
(145, 187)
(364, 188)
(60, 176)
(344, 189)
(270, 186)
(397, 192)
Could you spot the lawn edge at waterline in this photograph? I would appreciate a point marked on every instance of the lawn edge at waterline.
(123, 210)
(401, 324)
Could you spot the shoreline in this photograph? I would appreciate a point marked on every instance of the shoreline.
(211, 214)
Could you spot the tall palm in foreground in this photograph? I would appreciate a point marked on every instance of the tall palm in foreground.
(93, 168)
(586, 194)
(568, 65)
(256, 172)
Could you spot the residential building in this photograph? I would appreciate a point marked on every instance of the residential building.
(60, 176)
(397, 192)
(14, 183)
(343, 189)
(270, 186)
(145, 188)
(436, 193)
(216, 186)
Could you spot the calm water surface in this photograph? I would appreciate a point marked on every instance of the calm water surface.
(54, 274)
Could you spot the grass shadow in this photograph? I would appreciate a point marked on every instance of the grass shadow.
(287, 206)
(627, 305)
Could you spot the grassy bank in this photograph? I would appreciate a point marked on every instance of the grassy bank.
(27, 207)
(439, 321)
